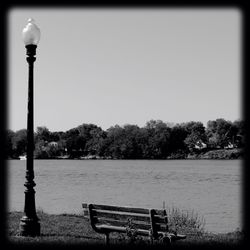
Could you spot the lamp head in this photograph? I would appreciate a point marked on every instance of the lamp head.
(31, 33)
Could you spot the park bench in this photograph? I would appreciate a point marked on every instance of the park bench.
(153, 223)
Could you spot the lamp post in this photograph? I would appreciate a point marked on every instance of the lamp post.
(29, 224)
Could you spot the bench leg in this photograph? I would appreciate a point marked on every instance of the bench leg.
(107, 238)
(151, 240)
(167, 240)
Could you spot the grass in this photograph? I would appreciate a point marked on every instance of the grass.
(74, 229)
(185, 222)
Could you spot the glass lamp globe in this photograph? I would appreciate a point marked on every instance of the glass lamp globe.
(31, 33)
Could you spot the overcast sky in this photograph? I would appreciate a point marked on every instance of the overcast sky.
(126, 66)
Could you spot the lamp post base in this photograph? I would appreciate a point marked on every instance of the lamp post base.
(29, 227)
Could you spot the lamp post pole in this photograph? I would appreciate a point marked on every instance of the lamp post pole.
(29, 224)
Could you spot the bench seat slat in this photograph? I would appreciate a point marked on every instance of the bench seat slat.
(121, 209)
(120, 229)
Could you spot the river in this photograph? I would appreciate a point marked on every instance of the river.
(212, 188)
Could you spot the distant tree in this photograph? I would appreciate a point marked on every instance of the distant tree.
(42, 134)
(56, 136)
(123, 142)
(131, 142)
(9, 143)
(19, 143)
(158, 139)
(94, 141)
(89, 136)
(239, 134)
(72, 142)
(83, 140)
(220, 133)
(177, 137)
(113, 142)
(195, 133)
(40, 150)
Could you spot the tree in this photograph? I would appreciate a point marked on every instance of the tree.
(89, 135)
(220, 133)
(42, 134)
(40, 150)
(9, 143)
(130, 148)
(94, 144)
(177, 137)
(113, 142)
(158, 139)
(196, 134)
(72, 142)
(83, 140)
(123, 142)
(239, 133)
(19, 143)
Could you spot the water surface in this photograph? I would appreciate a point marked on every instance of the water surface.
(212, 188)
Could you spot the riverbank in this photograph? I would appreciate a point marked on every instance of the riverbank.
(227, 154)
(74, 229)
(216, 154)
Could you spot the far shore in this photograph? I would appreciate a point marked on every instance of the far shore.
(215, 154)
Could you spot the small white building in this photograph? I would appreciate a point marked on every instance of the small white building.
(200, 145)
(53, 143)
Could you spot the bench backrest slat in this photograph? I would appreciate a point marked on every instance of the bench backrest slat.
(160, 219)
(121, 209)
(121, 215)
(84, 205)
(161, 227)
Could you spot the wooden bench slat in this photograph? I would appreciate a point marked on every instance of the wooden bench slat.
(84, 205)
(121, 229)
(159, 212)
(124, 220)
(136, 224)
(121, 215)
(161, 227)
(160, 219)
(121, 209)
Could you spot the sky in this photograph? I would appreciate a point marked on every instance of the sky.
(126, 66)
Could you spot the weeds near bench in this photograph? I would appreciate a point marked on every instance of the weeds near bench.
(131, 231)
(185, 221)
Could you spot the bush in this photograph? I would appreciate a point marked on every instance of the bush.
(185, 222)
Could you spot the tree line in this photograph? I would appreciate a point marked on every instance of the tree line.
(156, 140)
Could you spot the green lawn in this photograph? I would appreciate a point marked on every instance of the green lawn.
(75, 229)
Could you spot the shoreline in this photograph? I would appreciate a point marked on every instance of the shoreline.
(215, 154)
